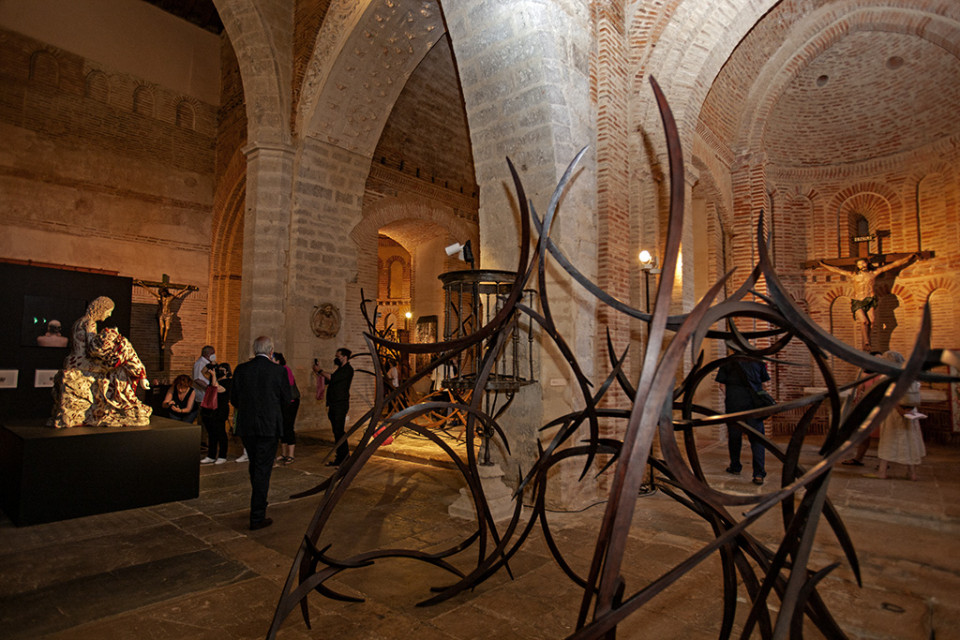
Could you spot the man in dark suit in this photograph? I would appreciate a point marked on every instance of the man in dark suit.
(259, 392)
(338, 399)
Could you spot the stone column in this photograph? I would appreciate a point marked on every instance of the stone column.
(527, 89)
(266, 238)
(322, 266)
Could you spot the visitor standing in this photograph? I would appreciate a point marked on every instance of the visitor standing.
(259, 393)
(338, 400)
(901, 440)
(742, 381)
(289, 438)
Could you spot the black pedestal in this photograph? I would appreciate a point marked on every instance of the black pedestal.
(49, 474)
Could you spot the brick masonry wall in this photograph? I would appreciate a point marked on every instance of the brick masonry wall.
(911, 192)
(105, 170)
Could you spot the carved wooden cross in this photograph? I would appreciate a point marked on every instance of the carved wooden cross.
(165, 312)
(877, 235)
(165, 283)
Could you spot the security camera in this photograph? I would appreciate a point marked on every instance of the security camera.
(454, 249)
(461, 251)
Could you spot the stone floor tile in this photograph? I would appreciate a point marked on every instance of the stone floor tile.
(210, 577)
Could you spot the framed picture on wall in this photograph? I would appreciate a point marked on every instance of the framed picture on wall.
(47, 320)
(9, 378)
(43, 378)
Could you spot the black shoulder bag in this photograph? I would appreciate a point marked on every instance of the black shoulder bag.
(761, 398)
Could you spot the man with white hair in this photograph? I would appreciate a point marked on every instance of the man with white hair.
(259, 392)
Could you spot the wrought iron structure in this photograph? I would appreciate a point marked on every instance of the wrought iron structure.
(659, 406)
(471, 299)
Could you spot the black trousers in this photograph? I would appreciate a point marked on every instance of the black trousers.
(338, 418)
(289, 419)
(216, 427)
(261, 450)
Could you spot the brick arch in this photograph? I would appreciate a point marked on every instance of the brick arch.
(842, 326)
(144, 102)
(819, 30)
(259, 31)
(942, 294)
(837, 292)
(904, 293)
(690, 35)
(186, 114)
(388, 265)
(365, 233)
(937, 230)
(874, 201)
(45, 67)
(96, 86)
(226, 258)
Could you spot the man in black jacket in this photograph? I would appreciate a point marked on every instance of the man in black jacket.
(742, 381)
(259, 392)
(338, 400)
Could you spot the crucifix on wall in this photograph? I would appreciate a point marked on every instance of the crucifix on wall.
(863, 271)
(165, 298)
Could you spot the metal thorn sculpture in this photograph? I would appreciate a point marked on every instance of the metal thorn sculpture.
(782, 571)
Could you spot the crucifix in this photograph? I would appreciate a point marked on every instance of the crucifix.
(863, 271)
(165, 298)
(877, 235)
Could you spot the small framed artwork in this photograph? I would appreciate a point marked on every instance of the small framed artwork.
(9, 378)
(43, 378)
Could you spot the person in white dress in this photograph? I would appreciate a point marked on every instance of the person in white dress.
(901, 441)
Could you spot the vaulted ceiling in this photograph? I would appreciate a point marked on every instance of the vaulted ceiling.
(827, 82)
(202, 13)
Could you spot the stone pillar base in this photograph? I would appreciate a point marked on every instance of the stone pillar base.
(499, 497)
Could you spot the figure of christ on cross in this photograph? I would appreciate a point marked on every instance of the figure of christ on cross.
(164, 298)
(864, 300)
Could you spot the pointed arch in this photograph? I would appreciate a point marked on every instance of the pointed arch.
(226, 259)
(262, 31)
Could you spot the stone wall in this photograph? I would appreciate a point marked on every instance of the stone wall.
(426, 135)
(105, 170)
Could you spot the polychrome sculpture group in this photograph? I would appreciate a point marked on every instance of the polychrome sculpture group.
(100, 378)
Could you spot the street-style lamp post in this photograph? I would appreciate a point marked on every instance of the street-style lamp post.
(648, 263)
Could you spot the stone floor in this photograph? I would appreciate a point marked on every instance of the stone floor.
(192, 570)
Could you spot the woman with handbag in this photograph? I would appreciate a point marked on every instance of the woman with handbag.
(215, 425)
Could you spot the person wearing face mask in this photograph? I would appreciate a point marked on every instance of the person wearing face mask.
(207, 360)
(205, 381)
(338, 400)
